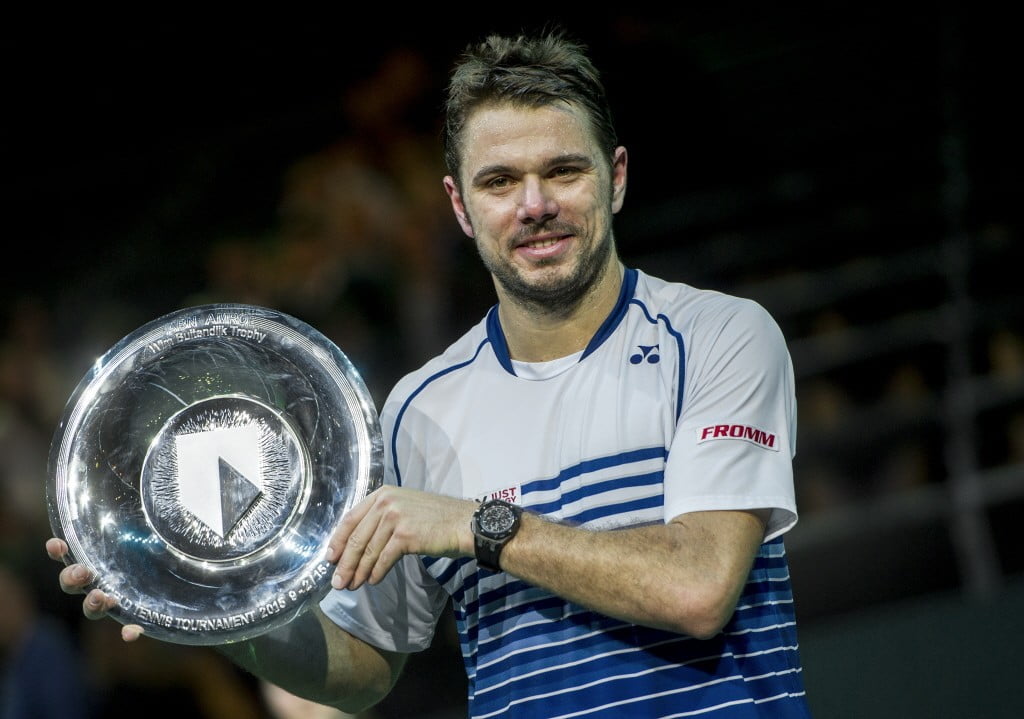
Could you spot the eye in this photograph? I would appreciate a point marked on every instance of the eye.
(565, 172)
(499, 183)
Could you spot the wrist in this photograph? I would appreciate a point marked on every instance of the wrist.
(494, 524)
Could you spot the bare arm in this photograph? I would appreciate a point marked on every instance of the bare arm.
(311, 656)
(685, 575)
(314, 658)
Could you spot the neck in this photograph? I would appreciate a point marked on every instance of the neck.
(539, 335)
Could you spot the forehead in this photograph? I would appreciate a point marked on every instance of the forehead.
(511, 134)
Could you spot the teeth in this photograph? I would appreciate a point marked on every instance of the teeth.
(541, 243)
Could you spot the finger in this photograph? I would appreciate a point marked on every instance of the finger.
(97, 604)
(57, 549)
(367, 557)
(340, 539)
(131, 632)
(387, 558)
(378, 557)
(74, 579)
(356, 547)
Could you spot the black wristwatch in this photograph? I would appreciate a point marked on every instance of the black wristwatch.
(495, 522)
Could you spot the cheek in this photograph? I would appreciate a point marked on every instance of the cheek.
(490, 221)
(586, 203)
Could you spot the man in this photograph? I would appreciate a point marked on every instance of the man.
(631, 440)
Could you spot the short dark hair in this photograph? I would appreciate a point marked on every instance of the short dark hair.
(529, 71)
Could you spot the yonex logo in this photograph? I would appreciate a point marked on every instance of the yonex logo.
(648, 352)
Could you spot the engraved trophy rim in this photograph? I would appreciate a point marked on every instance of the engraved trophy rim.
(194, 549)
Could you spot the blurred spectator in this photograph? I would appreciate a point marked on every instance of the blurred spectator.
(1006, 355)
(172, 680)
(366, 229)
(41, 671)
(31, 401)
(825, 406)
(824, 482)
(1015, 439)
(30, 376)
(23, 456)
(364, 247)
(239, 270)
(1006, 367)
(905, 454)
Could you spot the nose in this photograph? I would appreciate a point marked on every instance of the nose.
(536, 203)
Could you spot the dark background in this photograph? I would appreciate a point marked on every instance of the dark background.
(131, 143)
(854, 167)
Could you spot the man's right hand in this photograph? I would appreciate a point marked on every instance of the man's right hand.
(75, 579)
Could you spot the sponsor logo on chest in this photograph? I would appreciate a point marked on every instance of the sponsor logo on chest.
(509, 494)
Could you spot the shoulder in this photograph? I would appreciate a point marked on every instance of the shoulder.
(461, 354)
(696, 309)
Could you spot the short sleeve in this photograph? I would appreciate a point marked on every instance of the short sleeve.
(736, 434)
(398, 614)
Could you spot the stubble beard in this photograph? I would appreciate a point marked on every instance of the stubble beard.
(559, 295)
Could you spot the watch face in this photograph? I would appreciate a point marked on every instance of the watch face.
(496, 520)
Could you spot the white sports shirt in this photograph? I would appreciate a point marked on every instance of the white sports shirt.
(682, 402)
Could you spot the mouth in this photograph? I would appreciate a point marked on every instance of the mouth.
(544, 249)
(540, 243)
(543, 237)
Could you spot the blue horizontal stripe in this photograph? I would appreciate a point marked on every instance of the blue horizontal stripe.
(586, 647)
(611, 510)
(526, 648)
(670, 690)
(522, 612)
(584, 637)
(594, 465)
(761, 614)
(545, 638)
(773, 548)
(593, 491)
(502, 595)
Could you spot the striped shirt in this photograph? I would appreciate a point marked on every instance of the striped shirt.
(683, 401)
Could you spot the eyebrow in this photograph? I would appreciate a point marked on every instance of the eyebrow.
(490, 170)
(567, 159)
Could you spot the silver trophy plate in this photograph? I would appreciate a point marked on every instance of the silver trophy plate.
(202, 464)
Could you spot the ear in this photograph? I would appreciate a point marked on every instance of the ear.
(458, 206)
(618, 178)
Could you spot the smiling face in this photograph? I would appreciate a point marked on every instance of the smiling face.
(537, 194)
